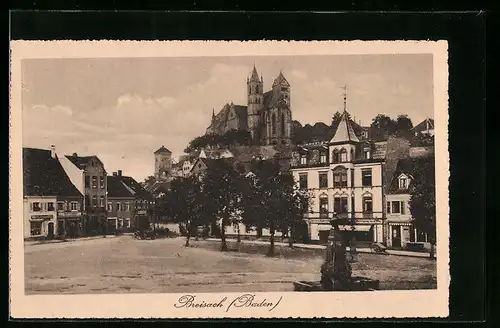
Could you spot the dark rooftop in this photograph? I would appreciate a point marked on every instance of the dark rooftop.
(162, 149)
(116, 188)
(44, 175)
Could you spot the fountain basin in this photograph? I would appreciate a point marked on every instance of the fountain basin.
(357, 284)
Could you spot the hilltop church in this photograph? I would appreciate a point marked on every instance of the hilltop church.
(267, 115)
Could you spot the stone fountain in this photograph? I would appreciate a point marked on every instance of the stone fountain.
(336, 271)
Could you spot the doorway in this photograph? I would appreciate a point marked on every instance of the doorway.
(50, 230)
(396, 236)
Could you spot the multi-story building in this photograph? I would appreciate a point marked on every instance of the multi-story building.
(52, 204)
(402, 232)
(143, 202)
(120, 206)
(345, 179)
(88, 174)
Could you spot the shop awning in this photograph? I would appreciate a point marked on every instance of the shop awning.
(357, 227)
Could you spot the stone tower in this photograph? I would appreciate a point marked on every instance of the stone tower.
(163, 163)
(255, 91)
(278, 127)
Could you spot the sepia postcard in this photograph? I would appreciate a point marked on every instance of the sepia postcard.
(207, 179)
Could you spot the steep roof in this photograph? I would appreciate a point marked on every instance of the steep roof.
(255, 75)
(80, 161)
(44, 175)
(280, 80)
(140, 191)
(116, 188)
(162, 149)
(427, 124)
(344, 131)
(404, 166)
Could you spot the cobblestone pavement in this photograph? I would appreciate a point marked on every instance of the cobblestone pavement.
(123, 264)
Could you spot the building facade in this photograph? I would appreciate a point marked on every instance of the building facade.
(267, 115)
(163, 163)
(344, 177)
(120, 206)
(88, 174)
(52, 204)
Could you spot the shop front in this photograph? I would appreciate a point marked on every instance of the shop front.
(69, 224)
(42, 226)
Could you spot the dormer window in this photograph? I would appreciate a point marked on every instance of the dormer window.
(403, 181)
(303, 160)
(322, 158)
(367, 154)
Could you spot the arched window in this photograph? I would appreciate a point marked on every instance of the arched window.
(352, 155)
(273, 123)
(343, 155)
(335, 156)
(257, 88)
(282, 124)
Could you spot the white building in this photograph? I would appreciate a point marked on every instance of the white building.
(40, 217)
(345, 178)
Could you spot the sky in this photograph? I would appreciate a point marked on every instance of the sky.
(124, 109)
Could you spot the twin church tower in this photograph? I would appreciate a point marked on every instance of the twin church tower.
(267, 115)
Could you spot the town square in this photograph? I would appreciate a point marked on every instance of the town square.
(313, 173)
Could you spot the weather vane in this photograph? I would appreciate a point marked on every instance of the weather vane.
(345, 95)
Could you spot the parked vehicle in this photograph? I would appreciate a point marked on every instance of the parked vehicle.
(378, 248)
(146, 234)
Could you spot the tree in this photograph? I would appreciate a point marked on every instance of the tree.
(384, 123)
(221, 188)
(403, 126)
(183, 204)
(423, 198)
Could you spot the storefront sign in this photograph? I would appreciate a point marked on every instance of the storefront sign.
(69, 214)
(319, 221)
(42, 217)
(143, 212)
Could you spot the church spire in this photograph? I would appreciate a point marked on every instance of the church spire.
(345, 97)
(345, 132)
(213, 114)
(255, 75)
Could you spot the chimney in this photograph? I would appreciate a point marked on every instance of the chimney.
(119, 173)
(75, 155)
(53, 151)
(115, 174)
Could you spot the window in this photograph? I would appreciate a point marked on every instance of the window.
(273, 123)
(94, 182)
(94, 201)
(117, 206)
(101, 182)
(340, 205)
(323, 206)
(340, 178)
(126, 207)
(87, 201)
(127, 223)
(101, 201)
(74, 206)
(120, 223)
(367, 154)
(60, 206)
(352, 155)
(367, 204)
(282, 124)
(303, 181)
(388, 207)
(335, 156)
(303, 159)
(323, 179)
(366, 176)
(110, 207)
(322, 158)
(403, 183)
(36, 207)
(50, 206)
(87, 181)
(343, 155)
(36, 228)
(396, 207)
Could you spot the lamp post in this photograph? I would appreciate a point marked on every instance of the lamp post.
(353, 252)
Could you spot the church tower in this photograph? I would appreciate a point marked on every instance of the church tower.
(255, 102)
(279, 126)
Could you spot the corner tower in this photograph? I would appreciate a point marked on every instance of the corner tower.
(279, 127)
(255, 93)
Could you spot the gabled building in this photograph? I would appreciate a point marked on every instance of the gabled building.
(426, 127)
(120, 206)
(142, 209)
(88, 174)
(345, 179)
(52, 204)
(399, 219)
